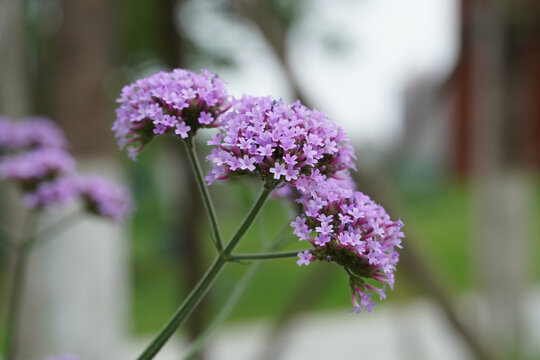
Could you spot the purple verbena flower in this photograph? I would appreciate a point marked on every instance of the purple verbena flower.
(105, 198)
(48, 194)
(305, 258)
(40, 132)
(178, 102)
(99, 195)
(29, 133)
(33, 167)
(350, 229)
(283, 142)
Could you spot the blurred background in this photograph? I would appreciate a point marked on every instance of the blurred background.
(441, 100)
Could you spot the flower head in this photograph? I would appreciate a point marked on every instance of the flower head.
(52, 193)
(29, 133)
(33, 167)
(105, 198)
(99, 195)
(40, 132)
(178, 102)
(282, 142)
(348, 228)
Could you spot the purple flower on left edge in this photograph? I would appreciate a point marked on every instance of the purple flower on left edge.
(31, 168)
(52, 193)
(178, 102)
(29, 133)
(99, 196)
(33, 156)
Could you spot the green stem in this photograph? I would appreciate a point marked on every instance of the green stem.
(208, 279)
(263, 256)
(233, 299)
(20, 255)
(208, 205)
(224, 311)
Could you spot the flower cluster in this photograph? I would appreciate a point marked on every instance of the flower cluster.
(51, 193)
(348, 228)
(105, 198)
(295, 150)
(32, 167)
(177, 102)
(99, 196)
(278, 141)
(30, 133)
(33, 155)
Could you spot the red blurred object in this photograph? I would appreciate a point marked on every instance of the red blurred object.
(522, 77)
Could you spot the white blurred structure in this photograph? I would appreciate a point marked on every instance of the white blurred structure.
(416, 330)
(77, 293)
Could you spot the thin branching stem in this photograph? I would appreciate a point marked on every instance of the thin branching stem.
(239, 289)
(224, 311)
(208, 279)
(264, 256)
(205, 194)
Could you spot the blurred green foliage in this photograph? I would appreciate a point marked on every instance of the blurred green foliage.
(440, 215)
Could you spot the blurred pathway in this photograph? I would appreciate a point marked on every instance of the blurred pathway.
(414, 330)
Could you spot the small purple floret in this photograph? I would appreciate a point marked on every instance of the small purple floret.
(305, 258)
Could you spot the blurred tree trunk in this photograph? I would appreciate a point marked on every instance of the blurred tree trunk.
(14, 96)
(83, 60)
(13, 81)
(501, 188)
